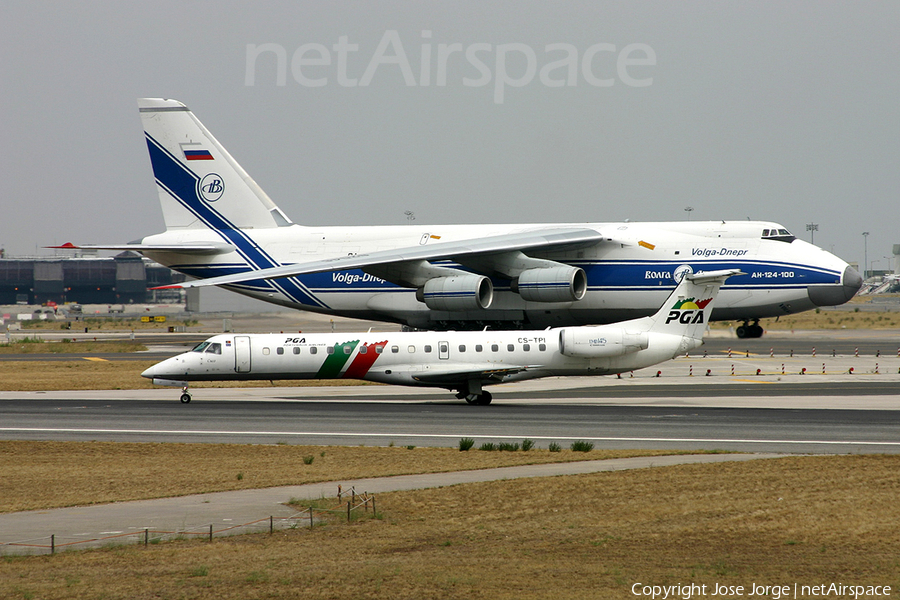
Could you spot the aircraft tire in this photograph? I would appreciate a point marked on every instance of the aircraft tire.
(185, 398)
(741, 331)
(472, 399)
(485, 398)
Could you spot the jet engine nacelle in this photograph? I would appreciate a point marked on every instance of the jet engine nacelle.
(463, 292)
(552, 284)
(601, 342)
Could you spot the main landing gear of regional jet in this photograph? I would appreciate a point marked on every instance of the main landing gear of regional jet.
(749, 331)
(482, 399)
(185, 396)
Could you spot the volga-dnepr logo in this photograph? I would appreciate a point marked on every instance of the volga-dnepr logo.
(211, 187)
(687, 311)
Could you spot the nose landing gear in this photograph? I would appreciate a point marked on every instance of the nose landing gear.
(185, 396)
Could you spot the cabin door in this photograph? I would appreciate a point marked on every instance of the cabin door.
(443, 350)
(242, 354)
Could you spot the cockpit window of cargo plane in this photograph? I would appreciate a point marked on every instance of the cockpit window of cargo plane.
(200, 347)
(214, 349)
(780, 235)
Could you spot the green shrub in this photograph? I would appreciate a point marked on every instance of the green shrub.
(527, 445)
(308, 460)
(488, 447)
(582, 446)
(554, 447)
(465, 444)
(507, 447)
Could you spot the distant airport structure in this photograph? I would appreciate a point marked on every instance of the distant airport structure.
(122, 279)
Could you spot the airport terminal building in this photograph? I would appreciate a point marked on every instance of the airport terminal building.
(121, 279)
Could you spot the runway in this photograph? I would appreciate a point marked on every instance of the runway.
(810, 417)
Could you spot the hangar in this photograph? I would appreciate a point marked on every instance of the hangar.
(121, 279)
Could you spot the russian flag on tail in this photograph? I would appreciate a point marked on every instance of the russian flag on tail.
(196, 152)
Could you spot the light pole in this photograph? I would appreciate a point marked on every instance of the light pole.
(689, 210)
(812, 228)
(865, 255)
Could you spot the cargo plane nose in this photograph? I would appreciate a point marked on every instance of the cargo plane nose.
(837, 293)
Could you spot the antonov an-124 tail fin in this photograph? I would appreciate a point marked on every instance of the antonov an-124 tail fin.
(200, 185)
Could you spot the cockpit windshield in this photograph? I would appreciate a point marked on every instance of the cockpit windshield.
(778, 234)
(200, 347)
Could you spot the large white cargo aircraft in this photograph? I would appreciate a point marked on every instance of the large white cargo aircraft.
(222, 229)
(464, 361)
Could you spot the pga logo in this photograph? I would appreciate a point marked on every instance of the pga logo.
(686, 317)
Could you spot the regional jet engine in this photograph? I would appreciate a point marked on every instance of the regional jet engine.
(463, 292)
(551, 284)
(600, 342)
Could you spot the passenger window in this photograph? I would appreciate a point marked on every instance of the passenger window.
(395, 349)
(478, 348)
(296, 350)
(510, 348)
(445, 348)
(379, 349)
(427, 348)
(495, 348)
(313, 350)
(526, 347)
(329, 349)
(462, 347)
(348, 349)
(279, 351)
(542, 347)
(265, 351)
(412, 349)
(362, 349)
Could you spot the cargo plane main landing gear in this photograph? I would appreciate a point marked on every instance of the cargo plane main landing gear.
(749, 331)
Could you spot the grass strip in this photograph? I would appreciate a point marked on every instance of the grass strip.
(806, 520)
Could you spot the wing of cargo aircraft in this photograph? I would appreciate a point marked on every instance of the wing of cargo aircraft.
(495, 249)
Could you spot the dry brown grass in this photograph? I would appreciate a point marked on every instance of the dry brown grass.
(70, 347)
(36, 475)
(845, 317)
(809, 520)
(84, 374)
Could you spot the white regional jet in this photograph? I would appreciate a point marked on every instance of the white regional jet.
(464, 361)
(222, 229)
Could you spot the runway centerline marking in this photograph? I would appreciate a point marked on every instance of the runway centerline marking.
(441, 436)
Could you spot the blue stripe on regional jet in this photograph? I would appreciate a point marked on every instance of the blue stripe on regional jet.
(181, 183)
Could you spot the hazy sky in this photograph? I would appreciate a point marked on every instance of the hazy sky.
(781, 111)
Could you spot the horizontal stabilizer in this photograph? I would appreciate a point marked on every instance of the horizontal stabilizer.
(200, 248)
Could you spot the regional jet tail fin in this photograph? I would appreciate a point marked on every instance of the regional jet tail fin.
(200, 185)
(687, 310)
